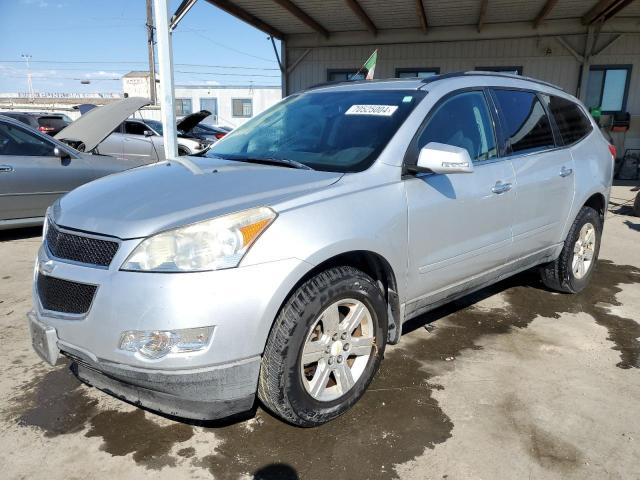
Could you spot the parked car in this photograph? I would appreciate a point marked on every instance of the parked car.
(143, 139)
(49, 123)
(281, 266)
(36, 170)
(209, 132)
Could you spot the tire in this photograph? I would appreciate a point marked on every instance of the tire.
(182, 151)
(287, 383)
(636, 206)
(560, 275)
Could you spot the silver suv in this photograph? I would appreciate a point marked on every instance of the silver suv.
(282, 265)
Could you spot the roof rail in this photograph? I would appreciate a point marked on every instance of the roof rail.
(435, 78)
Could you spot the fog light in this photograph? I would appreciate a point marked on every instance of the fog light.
(158, 343)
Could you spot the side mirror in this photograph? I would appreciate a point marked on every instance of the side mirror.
(442, 158)
(60, 153)
(148, 133)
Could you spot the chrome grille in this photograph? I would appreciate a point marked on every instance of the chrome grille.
(64, 296)
(78, 248)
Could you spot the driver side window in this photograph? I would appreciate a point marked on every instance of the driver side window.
(463, 121)
(17, 141)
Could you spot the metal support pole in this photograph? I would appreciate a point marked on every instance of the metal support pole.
(165, 67)
(152, 54)
(584, 72)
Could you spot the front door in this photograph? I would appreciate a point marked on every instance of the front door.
(31, 176)
(459, 224)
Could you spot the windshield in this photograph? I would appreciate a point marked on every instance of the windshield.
(155, 125)
(332, 131)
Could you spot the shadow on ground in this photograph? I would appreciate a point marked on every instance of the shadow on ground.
(395, 421)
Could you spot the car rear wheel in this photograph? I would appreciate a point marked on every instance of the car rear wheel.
(571, 271)
(325, 347)
(182, 151)
(636, 205)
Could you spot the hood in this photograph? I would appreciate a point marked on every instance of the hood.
(98, 123)
(146, 200)
(190, 121)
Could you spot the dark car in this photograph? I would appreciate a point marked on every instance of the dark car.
(209, 132)
(49, 123)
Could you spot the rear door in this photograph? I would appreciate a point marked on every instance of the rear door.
(31, 176)
(459, 224)
(544, 171)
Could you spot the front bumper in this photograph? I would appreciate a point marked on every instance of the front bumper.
(207, 394)
(240, 304)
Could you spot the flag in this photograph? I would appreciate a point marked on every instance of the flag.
(370, 65)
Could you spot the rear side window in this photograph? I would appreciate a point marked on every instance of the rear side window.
(527, 127)
(462, 121)
(570, 119)
(55, 123)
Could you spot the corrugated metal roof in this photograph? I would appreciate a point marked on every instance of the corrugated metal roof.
(336, 16)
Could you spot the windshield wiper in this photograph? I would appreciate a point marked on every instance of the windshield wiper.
(285, 162)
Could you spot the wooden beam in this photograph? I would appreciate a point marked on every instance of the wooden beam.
(484, 4)
(546, 10)
(571, 50)
(232, 9)
(301, 15)
(603, 10)
(362, 15)
(607, 45)
(422, 15)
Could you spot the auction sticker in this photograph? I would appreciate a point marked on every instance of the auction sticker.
(381, 110)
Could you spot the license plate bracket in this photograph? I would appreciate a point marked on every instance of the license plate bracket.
(44, 340)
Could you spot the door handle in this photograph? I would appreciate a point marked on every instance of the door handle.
(500, 187)
(565, 172)
(6, 168)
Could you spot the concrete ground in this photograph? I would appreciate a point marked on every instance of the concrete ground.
(515, 382)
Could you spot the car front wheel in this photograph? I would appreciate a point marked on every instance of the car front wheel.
(325, 347)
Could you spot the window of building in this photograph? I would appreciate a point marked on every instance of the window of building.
(346, 74)
(183, 107)
(570, 119)
(463, 121)
(416, 72)
(210, 104)
(516, 70)
(242, 107)
(527, 127)
(607, 87)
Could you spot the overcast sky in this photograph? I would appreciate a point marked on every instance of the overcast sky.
(100, 40)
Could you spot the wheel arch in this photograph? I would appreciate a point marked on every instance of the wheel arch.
(374, 265)
(598, 202)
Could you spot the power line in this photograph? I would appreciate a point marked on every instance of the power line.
(86, 62)
(195, 32)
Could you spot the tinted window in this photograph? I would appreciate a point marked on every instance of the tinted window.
(463, 121)
(571, 121)
(16, 141)
(56, 123)
(527, 126)
(135, 128)
(341, 131)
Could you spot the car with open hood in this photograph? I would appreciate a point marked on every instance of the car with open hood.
(280, 266)
(142, 139)
(36, 170)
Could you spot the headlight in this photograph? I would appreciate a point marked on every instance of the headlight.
(45, 225)
(159, 343)
(210, 245)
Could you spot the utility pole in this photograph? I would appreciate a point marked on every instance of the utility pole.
(27, 57)
(152, 56)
